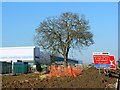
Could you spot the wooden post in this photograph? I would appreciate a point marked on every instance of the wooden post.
(99, 71)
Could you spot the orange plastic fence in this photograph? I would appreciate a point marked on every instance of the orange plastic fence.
(77, 70)
(68, 71)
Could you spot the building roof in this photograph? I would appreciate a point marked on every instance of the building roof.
(62, 59)
(17, 47)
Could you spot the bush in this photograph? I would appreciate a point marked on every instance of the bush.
(38, 67)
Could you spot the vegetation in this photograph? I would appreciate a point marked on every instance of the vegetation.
(59, 34)
(38, 67)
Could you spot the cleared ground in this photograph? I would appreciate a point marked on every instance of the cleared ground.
(89, 79)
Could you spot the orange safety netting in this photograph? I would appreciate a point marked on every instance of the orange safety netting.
(68, 71)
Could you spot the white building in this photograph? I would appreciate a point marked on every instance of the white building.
(28, 54)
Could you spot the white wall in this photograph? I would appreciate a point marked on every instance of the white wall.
(25, 54)
(17, 53)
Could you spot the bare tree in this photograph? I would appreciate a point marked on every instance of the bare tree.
(59, 34)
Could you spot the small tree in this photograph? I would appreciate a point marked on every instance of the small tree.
(38, 67)
(59, 34)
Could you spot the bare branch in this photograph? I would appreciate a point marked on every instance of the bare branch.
(59, 34)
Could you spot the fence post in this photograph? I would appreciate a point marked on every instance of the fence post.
(99, 71)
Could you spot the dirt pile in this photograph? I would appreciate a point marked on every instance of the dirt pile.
(89, 79)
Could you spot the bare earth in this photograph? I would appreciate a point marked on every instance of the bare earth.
(89, 79)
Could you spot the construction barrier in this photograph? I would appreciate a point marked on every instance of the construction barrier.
(77, 70)
(68, 71)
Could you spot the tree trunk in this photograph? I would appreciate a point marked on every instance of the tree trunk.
(65, 61)
(66, 58)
